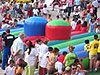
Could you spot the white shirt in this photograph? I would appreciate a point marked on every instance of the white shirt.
(95, 3)
(35, 11)
(9, 70)
(45, 10)
(37, 46)
(5, 26)
(73, 24)
(44, 60)
(18, 45)
(79, 73)
(31, 58)
(97, 30)
(43, 49)
(69, 3)
(59, 66)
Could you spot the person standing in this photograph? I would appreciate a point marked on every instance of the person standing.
(17, 48)
(43, 48)
(70, 57)
(96, 5)
(8, 41)
(44, 61)
(70, 5)
(98, 58)
(93, 52)
(31, 57)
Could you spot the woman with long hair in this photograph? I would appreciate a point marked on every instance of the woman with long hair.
(31, 56)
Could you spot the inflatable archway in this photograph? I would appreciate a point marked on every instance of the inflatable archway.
(58, 30)
(23, 1)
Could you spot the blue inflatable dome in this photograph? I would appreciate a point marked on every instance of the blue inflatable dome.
(35, 26)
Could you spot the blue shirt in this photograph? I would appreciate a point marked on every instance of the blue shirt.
(77, 2)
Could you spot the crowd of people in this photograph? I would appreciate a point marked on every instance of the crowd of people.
(19, 56)
(22, 55)
(76, 11)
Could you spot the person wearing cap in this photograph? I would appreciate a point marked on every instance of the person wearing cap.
(67, 71)
(8, 41)
(17, 48)
(70, 57)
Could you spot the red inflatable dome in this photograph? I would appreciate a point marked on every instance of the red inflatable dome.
(58, 30)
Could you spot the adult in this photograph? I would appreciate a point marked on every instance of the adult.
(77, 2)
(96, 5)
(43, 49)
(55, 2)
(98, 57)
(51, 61)
(93, 52)
(70, 57)
(8, 41)
(17, 48)
(69, 6)
(92, 25)
(44, 61)
(31, 57)
(73, 23)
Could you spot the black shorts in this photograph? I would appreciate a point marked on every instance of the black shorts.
(98, 56)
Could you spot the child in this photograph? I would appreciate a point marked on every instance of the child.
(87, 46)
(20, 67)
(10, 69)
(59, 64)
(98, 29)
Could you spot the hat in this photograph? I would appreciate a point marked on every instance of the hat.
(79, 66)
(67, 68)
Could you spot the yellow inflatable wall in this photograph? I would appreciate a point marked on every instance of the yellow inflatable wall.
(23, 1)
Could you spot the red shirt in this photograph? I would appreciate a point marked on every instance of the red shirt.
(61, 58)
(78, 27)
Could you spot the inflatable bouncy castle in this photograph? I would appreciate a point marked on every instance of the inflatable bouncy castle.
(58, 30)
